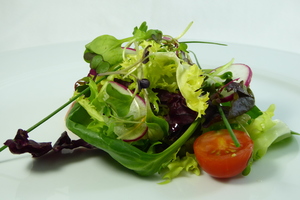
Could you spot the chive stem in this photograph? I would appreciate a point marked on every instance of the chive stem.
(232, 135)
(196, 59)
(3, 147)
(202, 42)
(56, 111)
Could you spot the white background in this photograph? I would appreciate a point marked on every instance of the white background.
(265, 23)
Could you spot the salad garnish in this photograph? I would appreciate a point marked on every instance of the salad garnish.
(154, 110)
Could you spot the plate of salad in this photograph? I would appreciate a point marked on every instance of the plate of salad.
(149, 116)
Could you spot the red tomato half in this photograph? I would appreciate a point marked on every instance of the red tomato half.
(218, 156)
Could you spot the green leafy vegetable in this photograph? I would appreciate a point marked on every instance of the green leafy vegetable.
(108, 47)
(145, 101)
(220, 98)
(190, 80)
(129, 156)
(99, 64)
(187, 163)
(265, 131)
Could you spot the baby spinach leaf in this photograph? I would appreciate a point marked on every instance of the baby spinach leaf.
(108, 47)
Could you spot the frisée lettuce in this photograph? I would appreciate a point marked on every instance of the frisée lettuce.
(265, 131)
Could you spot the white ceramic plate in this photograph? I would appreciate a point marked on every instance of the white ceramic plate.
(34, 82)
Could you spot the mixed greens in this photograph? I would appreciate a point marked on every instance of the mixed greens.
(145, 101)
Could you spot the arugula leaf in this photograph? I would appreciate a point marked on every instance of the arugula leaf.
(142, 33)
(143, 28)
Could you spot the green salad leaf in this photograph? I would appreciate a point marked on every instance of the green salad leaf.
(190, 80)
(145, 101)
(187, 163)
(129, 156)
(108, 47)
(264, 131)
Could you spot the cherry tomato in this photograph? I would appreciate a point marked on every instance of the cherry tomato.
(218, 156)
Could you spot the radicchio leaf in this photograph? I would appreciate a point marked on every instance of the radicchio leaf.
(179, 115)
(64, 142)
(20, 144)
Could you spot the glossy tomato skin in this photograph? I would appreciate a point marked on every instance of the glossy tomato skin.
(218, 156)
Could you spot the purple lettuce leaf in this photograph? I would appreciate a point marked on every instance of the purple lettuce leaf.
(65, 142)
(21, 144)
